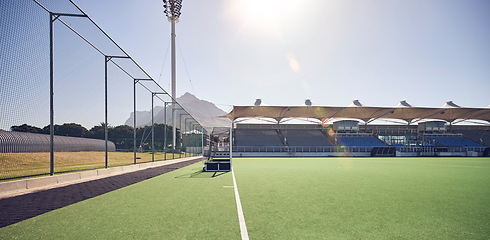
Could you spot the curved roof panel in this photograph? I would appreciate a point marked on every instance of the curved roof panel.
(449, 112)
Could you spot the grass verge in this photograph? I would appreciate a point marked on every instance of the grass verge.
(16, 165)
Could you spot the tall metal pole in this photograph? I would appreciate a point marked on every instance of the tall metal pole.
(152, 130)
(173, 123)
(134, 121)
(172, 10)
(106, 130)
(202, 141)
(165, 131)
(231, 146)
(185, 129)
(174, 128)
(51, 96)
(180, 136)
(231, 142)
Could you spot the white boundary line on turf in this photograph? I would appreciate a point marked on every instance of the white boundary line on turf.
(241, 218)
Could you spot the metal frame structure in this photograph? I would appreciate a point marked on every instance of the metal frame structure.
(173, 12)
(106, 126)
(53, 17)
(153, 94)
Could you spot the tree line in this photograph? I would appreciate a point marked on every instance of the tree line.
(122, 135)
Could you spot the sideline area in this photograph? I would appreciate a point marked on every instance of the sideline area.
(183, 204)
(22, 207)
(281, 198)
(24, 186)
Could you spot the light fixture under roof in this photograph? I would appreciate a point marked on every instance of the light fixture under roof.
(356, 103)
(308, 102)
(404, 103)
(450, 104)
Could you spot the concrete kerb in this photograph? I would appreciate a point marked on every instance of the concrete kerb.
(12, 186)
(19, 187)
(69, 177)
(88, 174)
(41, 182)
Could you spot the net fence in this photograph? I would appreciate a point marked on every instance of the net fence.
(105, 109)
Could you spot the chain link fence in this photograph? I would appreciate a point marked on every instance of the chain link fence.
(72, 99)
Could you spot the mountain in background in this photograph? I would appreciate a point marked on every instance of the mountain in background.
(206, 113)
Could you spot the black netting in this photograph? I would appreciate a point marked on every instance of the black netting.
(83, 55)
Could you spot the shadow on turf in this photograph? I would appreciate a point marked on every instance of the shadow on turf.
(202, 174)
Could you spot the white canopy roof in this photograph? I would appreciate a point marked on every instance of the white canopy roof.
(404, 111)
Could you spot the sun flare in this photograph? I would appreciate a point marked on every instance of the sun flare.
(266, 12)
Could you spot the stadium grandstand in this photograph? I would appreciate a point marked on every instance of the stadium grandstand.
(355, 130)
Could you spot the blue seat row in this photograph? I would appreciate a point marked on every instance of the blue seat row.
(360, 142)
(454, 141)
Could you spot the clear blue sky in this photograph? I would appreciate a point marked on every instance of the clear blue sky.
(332, 52)
(426, 52)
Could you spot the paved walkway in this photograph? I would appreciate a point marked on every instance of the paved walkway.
(22, 207)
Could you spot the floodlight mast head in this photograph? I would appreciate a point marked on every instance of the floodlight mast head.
(172, 9)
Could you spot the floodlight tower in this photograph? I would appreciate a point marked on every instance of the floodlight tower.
(172, 10)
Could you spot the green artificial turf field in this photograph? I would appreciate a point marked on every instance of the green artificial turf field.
(288, 198)
(365, 198)
(183, 204)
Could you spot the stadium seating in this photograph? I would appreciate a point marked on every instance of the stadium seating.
(453, 141)
(479, 136)
(257, 137)
(305, 137)
(289, 140)
(398, 145)
(360, 141)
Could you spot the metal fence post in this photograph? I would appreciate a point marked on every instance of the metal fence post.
(106, 130)
(51, 95)
(134, 120)
(165, 131)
